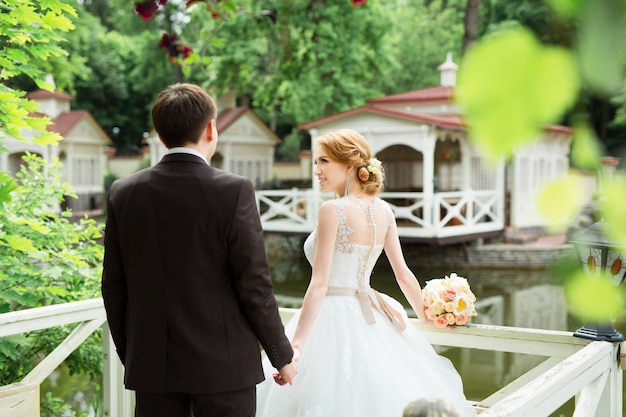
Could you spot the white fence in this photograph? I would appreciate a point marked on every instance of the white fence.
(574, 368)
(440, 215)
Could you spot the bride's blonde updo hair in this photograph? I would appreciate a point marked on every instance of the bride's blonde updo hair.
(350, 147)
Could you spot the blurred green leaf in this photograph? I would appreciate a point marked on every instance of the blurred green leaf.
(560, 201)
(7, 184)
(20, 243)
(612, 208)
(602, 45)
(511, 87)
(594, 298)
(585, 148)
(568, 8)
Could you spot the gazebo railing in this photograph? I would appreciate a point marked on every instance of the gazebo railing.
(418, 215)
(588, 371)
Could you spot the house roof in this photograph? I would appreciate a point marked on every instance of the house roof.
(424, 96)
(228, 117)
(39, 94)
(427, 95)
(450, 121)
(65, 122)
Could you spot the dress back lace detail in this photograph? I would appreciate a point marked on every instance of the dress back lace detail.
(360, 241)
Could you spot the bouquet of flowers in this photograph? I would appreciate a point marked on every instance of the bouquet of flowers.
(449, 301)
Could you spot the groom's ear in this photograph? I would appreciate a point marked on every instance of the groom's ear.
(211, 130)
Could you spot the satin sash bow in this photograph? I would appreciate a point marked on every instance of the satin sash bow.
(368, 298)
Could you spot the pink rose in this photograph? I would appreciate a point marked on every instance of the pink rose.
(364, 174)
(449, 294)
(440, 321)
(461, 320)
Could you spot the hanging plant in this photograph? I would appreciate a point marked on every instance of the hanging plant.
(449, 155)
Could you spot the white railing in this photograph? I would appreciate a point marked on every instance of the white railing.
(440, 215)
(588, 371)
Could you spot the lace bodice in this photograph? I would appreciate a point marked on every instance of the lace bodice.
(360, 241)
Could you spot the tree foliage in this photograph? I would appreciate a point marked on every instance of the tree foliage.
(30, 36)
(46, 258)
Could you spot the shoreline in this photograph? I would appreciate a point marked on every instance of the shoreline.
(538, 254)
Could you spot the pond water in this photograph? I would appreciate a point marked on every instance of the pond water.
(515, 297)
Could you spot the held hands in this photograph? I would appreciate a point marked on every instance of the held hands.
(288, 372)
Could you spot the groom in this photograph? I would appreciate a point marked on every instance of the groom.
(186, 284)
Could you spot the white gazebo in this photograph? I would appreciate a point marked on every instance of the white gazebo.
(82, 149)
(442, 189)
(245, 145)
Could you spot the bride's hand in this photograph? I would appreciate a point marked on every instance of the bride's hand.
(296, 354)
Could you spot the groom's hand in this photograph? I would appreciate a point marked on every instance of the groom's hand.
(286, 373)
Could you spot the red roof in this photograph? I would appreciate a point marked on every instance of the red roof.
(434, 95)
(450, 121)
(65, 122)
(228, 117)
(48, 94)
(418, 97)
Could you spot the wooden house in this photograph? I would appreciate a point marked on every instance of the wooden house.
(82, 150)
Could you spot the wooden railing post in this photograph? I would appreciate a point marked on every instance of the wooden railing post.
(117, 401)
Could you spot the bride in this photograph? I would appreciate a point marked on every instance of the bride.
(356, 352)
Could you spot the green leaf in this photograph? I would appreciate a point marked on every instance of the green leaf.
(511, 87)
(585, 148)
(594, 298)
(20, 243)
(59, 291)
(560, 201)
(7, 184)
(613, 190)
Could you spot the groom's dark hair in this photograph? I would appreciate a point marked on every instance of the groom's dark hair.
(181, 112)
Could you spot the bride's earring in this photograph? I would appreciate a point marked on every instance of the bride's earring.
(345, 192)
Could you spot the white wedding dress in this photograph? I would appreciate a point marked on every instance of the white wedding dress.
(356, 361)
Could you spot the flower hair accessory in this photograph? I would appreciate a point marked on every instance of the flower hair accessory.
(372, 167)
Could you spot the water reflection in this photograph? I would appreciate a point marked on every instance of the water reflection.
(517, 298)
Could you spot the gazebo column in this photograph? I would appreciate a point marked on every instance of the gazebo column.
(428, 155)
(70, 163)
(4, 161)
(315, 184)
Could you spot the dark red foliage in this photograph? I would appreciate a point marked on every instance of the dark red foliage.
(358, 2)
(175, 49)
(147, 8)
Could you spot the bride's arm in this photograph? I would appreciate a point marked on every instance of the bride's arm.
(328, 223)
(404, 276)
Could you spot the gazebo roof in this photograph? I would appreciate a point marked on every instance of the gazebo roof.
(449, 121)
(427, 95)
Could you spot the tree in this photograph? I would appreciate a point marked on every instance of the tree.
(30, 36)
(423, 32)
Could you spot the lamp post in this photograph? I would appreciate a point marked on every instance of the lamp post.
(599, 257)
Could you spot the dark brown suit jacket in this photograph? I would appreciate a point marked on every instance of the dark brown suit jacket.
(186, 284)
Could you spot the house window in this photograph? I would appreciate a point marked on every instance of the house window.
(86, 171)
